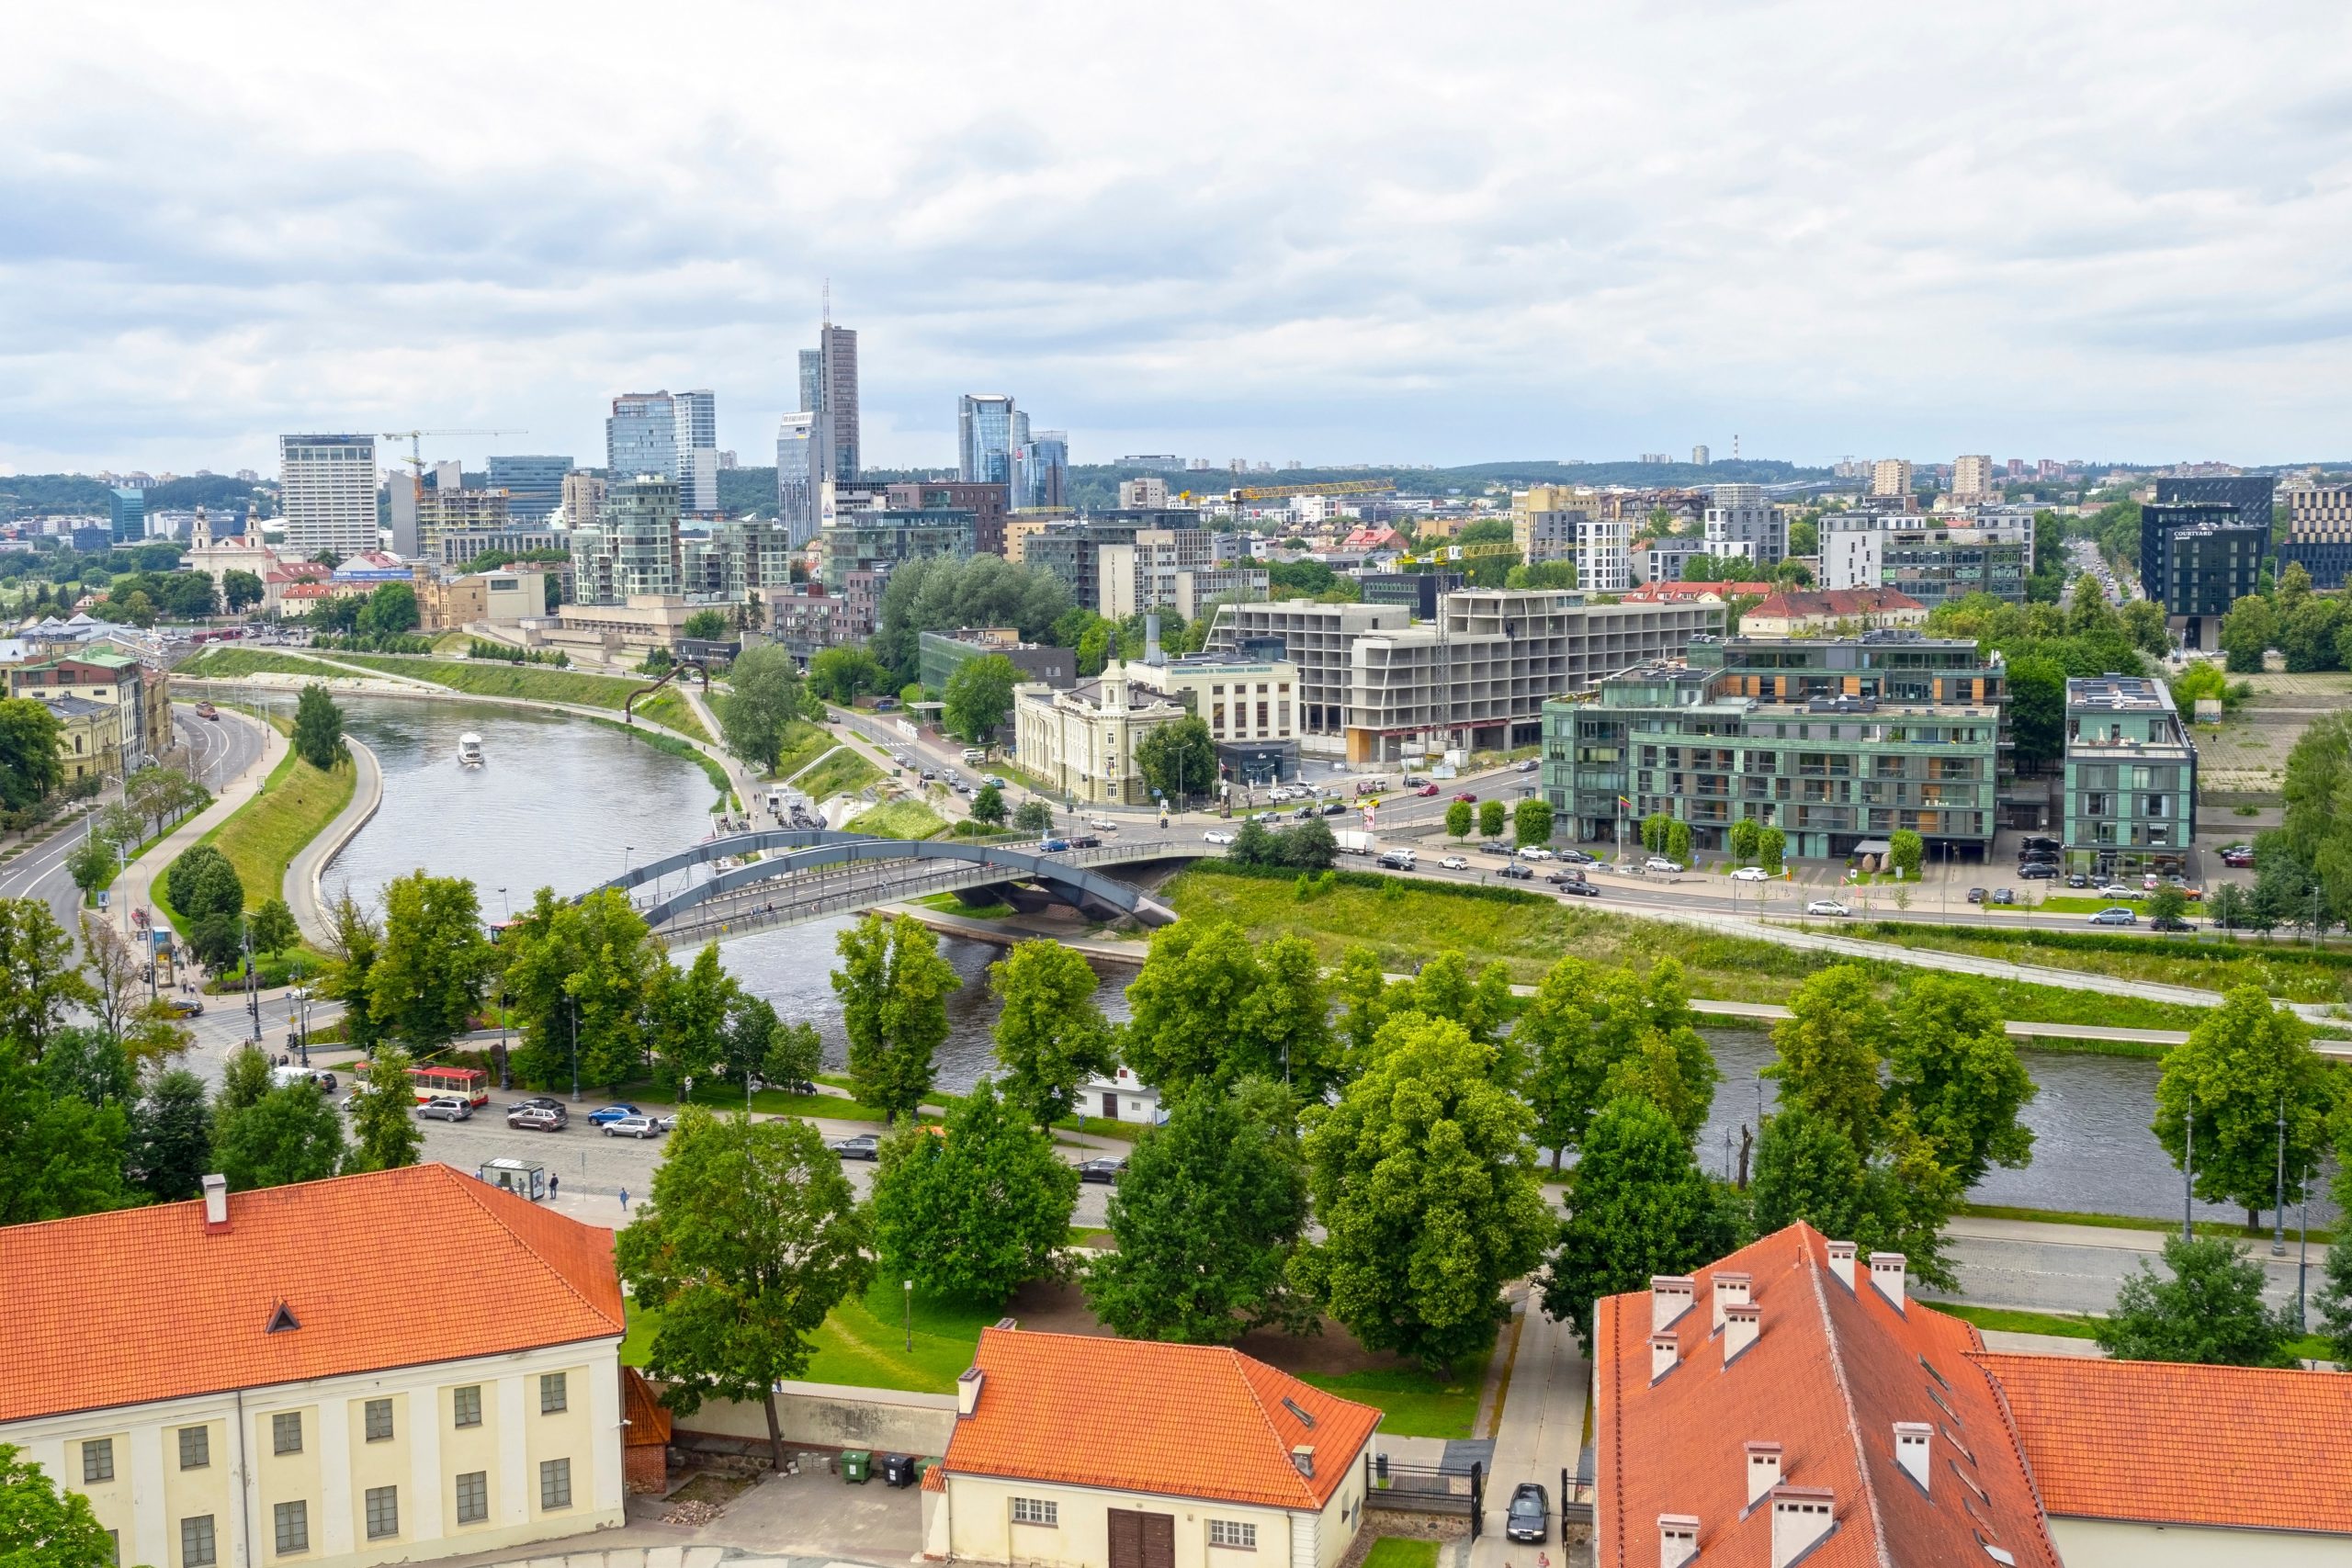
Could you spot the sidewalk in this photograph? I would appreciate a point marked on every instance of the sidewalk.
(1543, 1425)
(134, 888)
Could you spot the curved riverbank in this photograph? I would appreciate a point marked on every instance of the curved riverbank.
(301, 883)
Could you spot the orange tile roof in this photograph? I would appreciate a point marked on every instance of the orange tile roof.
(2166, 1443)
(647, 1420)
(1133, 1415)
(1830, 1372)
(393, 1269)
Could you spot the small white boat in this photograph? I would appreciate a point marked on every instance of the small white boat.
(469, 751)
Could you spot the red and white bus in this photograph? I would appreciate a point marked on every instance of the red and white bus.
(469, 1083)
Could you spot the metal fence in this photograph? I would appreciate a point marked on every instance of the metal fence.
(1426, 1488)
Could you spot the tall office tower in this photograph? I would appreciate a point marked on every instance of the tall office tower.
(534, 486)
(583, 499)
(641, 437)
(1891, 476)
(984, 438)
(837, 354)
(812, 380)
(797, 472)
(1041, 470)
(697, 471)
(1972, 476)
(1700, 457)
(641, 518)
(328, 493)
(2253, 494)
(126, 512)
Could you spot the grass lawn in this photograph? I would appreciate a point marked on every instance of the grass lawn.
(898, 819)
(2291, 973)
(534, 682)
(262, 837)
(667, 708)
(2222, 1228)
(2067, 1326)
(948, 904)
(230, 662)
(803, 744)
(843, 773)
(1400, 1552)
(1414, 1404)
(1405, 921)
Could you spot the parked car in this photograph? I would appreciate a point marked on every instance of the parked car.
(1529, 1517)
(858, 1145)
(613, 1113)
(1578, 857)
(2078, 880)
(182, 1006)
(2003, 896)
(1517, 873)
(1426, 789)
(446, 1108)
(1467, 799)
(1976, 895)
(1454, 862)
(1106, 1167)
(2039, 872)
(1659, 863)
(537, 1119)
(1751, 874)
(2116, 890)
(2115, 915)
(634, 1127)
(2041, 841)
(1829, 906)
(2237, 855)
(1580, 888)
(1534, 852)
(1494, 847)
(1217, 835)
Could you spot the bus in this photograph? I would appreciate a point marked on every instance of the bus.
(471, 1084)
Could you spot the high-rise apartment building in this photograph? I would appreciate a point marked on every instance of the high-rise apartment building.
(697, 441)
(1972, 476)
(1700, 457)
(641, 437)
(634, 549)
(441, 512)
(583, 499)
(798, 474)
(127, 514)
(1738, 514)
(1891, 476)
(2319, 534)
(1146, 492)
(328, 490)
(534, 485)
(984, 438)
(1545, 520)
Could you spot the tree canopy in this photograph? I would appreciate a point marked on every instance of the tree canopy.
(894, 989)
(978, 1209)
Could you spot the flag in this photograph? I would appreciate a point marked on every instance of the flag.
(1624, 805)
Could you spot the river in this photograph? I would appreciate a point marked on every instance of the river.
(564, 803)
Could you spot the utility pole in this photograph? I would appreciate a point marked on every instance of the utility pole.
(575, 1050)
(2188, 1174)
(2278, 1204)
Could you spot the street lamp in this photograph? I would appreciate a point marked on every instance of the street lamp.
(575, 1050)
(911, 1317)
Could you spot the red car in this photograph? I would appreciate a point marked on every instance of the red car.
(2237, 857)
(1425, 789)
(1466, 798)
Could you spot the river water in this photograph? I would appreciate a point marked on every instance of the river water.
(563, 803)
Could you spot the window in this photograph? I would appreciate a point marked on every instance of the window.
(468, 1404)
(378, 1418)
(473, 1497)
(383, 1512)
(552, 1393)
(555, 1483)
(285, 1433)
(293, 1520)
(195, 1447)
(197, 1546)
(1234, 1533)
(114, 1546)
(1036, 1511)
(97, 1459)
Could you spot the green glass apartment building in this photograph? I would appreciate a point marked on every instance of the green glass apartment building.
(2130, 777)
(1837, 741)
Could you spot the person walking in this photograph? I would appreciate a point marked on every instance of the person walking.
(624, 1199)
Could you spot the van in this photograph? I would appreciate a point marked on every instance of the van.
(973, 755)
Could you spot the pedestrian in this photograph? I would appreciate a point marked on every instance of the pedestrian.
(555, 1183)
(624, 1199)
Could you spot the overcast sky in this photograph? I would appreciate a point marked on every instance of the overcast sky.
(1411, 234)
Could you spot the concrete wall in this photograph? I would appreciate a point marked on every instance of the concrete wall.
(2102, 1543)
(833, 1416)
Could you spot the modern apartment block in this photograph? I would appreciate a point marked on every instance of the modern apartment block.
(328, 490)
(880, 539)
(583, 499)
(1836, 741)
(697, 443)
(1930, 559)
(534, 485)
(798, 475)
(985, 501)
(634, 549)
(1544, 518)
(1741, 522)
(2319, 534)
(1169, 569)
(441, 512)
(2131, 802)
(806, 618)
(2197, 559)
(1073, 551)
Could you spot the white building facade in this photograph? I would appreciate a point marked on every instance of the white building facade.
(328, 490)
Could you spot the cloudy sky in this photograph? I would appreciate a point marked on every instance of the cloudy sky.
(1371, 231)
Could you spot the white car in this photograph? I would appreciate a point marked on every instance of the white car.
(1751, 874)
(1659, 863)
(1536, 851)
(1827, 906)
(1454, 862)
(1215, 837)
(1101, 825)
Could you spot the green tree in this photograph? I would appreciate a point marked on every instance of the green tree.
(1951, 1061)
(1034, 816)
(2248, 632)
(435, 964)
(988, 805)
(1308, 846)
(1905, 850)
(841, 675)
(240, 591)
(273, 927)
(170, 1146)
(1490, 819)
(1428, 1200)
(1050, 1035)
(282, 1134)
(2143, 623)
(1207, 1215)
(1772, 847)
(29, 765)
(2228, 908)
(691, 1011)
(1637, 1206)
(763, 701)
(2167, 905)
(795, 1055)
(593, 964)
(1178, 761)
(384, 1130)
(975, 1213)
(91, 864)
(894, 989)
(1897, 1201)
(978, 698)
(1746, 835)
(1213, 1005)
(1593, 1035)
(38, 980)
(59, 1154)
(2247, 1063)
(752, 1237)
(1458, 820)
(43, 1525)
(2037, 690)
(1253, 845)
(351, 952)
(391, 611)
(1532, 821)
(2210, 1311)
(1830, 1049)
(707, 625)
(1678, 842)
(318, 728)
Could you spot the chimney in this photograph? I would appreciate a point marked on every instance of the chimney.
(216, 1203)
(1913, 1443)
(1763, 1460)
(1800, 1517)
(1678, 1539)
(1841, 1262)
(967, 1393)
(1672, 1295)
(1731, 1289)
(1666, 1350)
(1741, 1325)
(1886, 1273)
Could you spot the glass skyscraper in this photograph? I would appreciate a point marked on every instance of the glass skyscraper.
(534, 485)
(984, 429)
(641, 437)
(1041, 470)
(797, 473)
(127, 510)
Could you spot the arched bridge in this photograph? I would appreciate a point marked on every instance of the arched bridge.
(805, 873)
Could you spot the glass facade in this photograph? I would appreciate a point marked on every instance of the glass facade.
(2131, 802)
(798, 471)
(1041, 470)
(983, 428)
(126, 512)
(534, 485)
(641, 437)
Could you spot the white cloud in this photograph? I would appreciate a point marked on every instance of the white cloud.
(1324, 232)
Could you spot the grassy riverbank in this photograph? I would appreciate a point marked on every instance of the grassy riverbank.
(261, 837)
(1406, 922)
(2285, 970)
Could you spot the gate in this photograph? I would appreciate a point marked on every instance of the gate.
(1398, 1487)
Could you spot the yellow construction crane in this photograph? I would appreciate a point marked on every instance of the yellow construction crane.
(1460, 552)
(415, 458)
(1284, 492)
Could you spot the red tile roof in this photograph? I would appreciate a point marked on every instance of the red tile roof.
(1832, 1370)
(1671, 593)
(2172, 1444)
(1131, 1416)
(648, 1419)
(1837, 602)
(398, 1267)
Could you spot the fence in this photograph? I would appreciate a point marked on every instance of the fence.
(1426, 1488)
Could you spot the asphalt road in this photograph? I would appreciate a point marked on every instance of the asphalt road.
(2081, 1276)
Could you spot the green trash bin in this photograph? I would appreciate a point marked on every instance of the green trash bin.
(855, 1464)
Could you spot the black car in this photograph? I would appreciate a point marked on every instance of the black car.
(1494, 847)
(1529, 1517)
(862, 1146)
(1578, 857)
(1107, 1168)
(1581, 888)
(2078, 880)
(1976, 895)
(1518, 872)
(2039, 871)
(2171, 923)
(1334, 807)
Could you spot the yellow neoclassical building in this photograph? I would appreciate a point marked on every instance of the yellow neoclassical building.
(392, 1367)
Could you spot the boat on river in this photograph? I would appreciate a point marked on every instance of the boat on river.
(469, 751)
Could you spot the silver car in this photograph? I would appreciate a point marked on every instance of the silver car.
(1829, 906)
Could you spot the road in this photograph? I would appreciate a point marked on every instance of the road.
(2077, 1268)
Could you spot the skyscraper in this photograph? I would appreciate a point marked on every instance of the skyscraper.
(641, 518)
(697, 470)
(1041, 470)
(984, 427)
(798, 474)
(641, 437)
(534, 486)
(127, 510)
(328, 493)
(837, 398)
(812, 380)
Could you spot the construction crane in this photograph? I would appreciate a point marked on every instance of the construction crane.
(1460, 552)
(415, 458)
(1284, 492)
